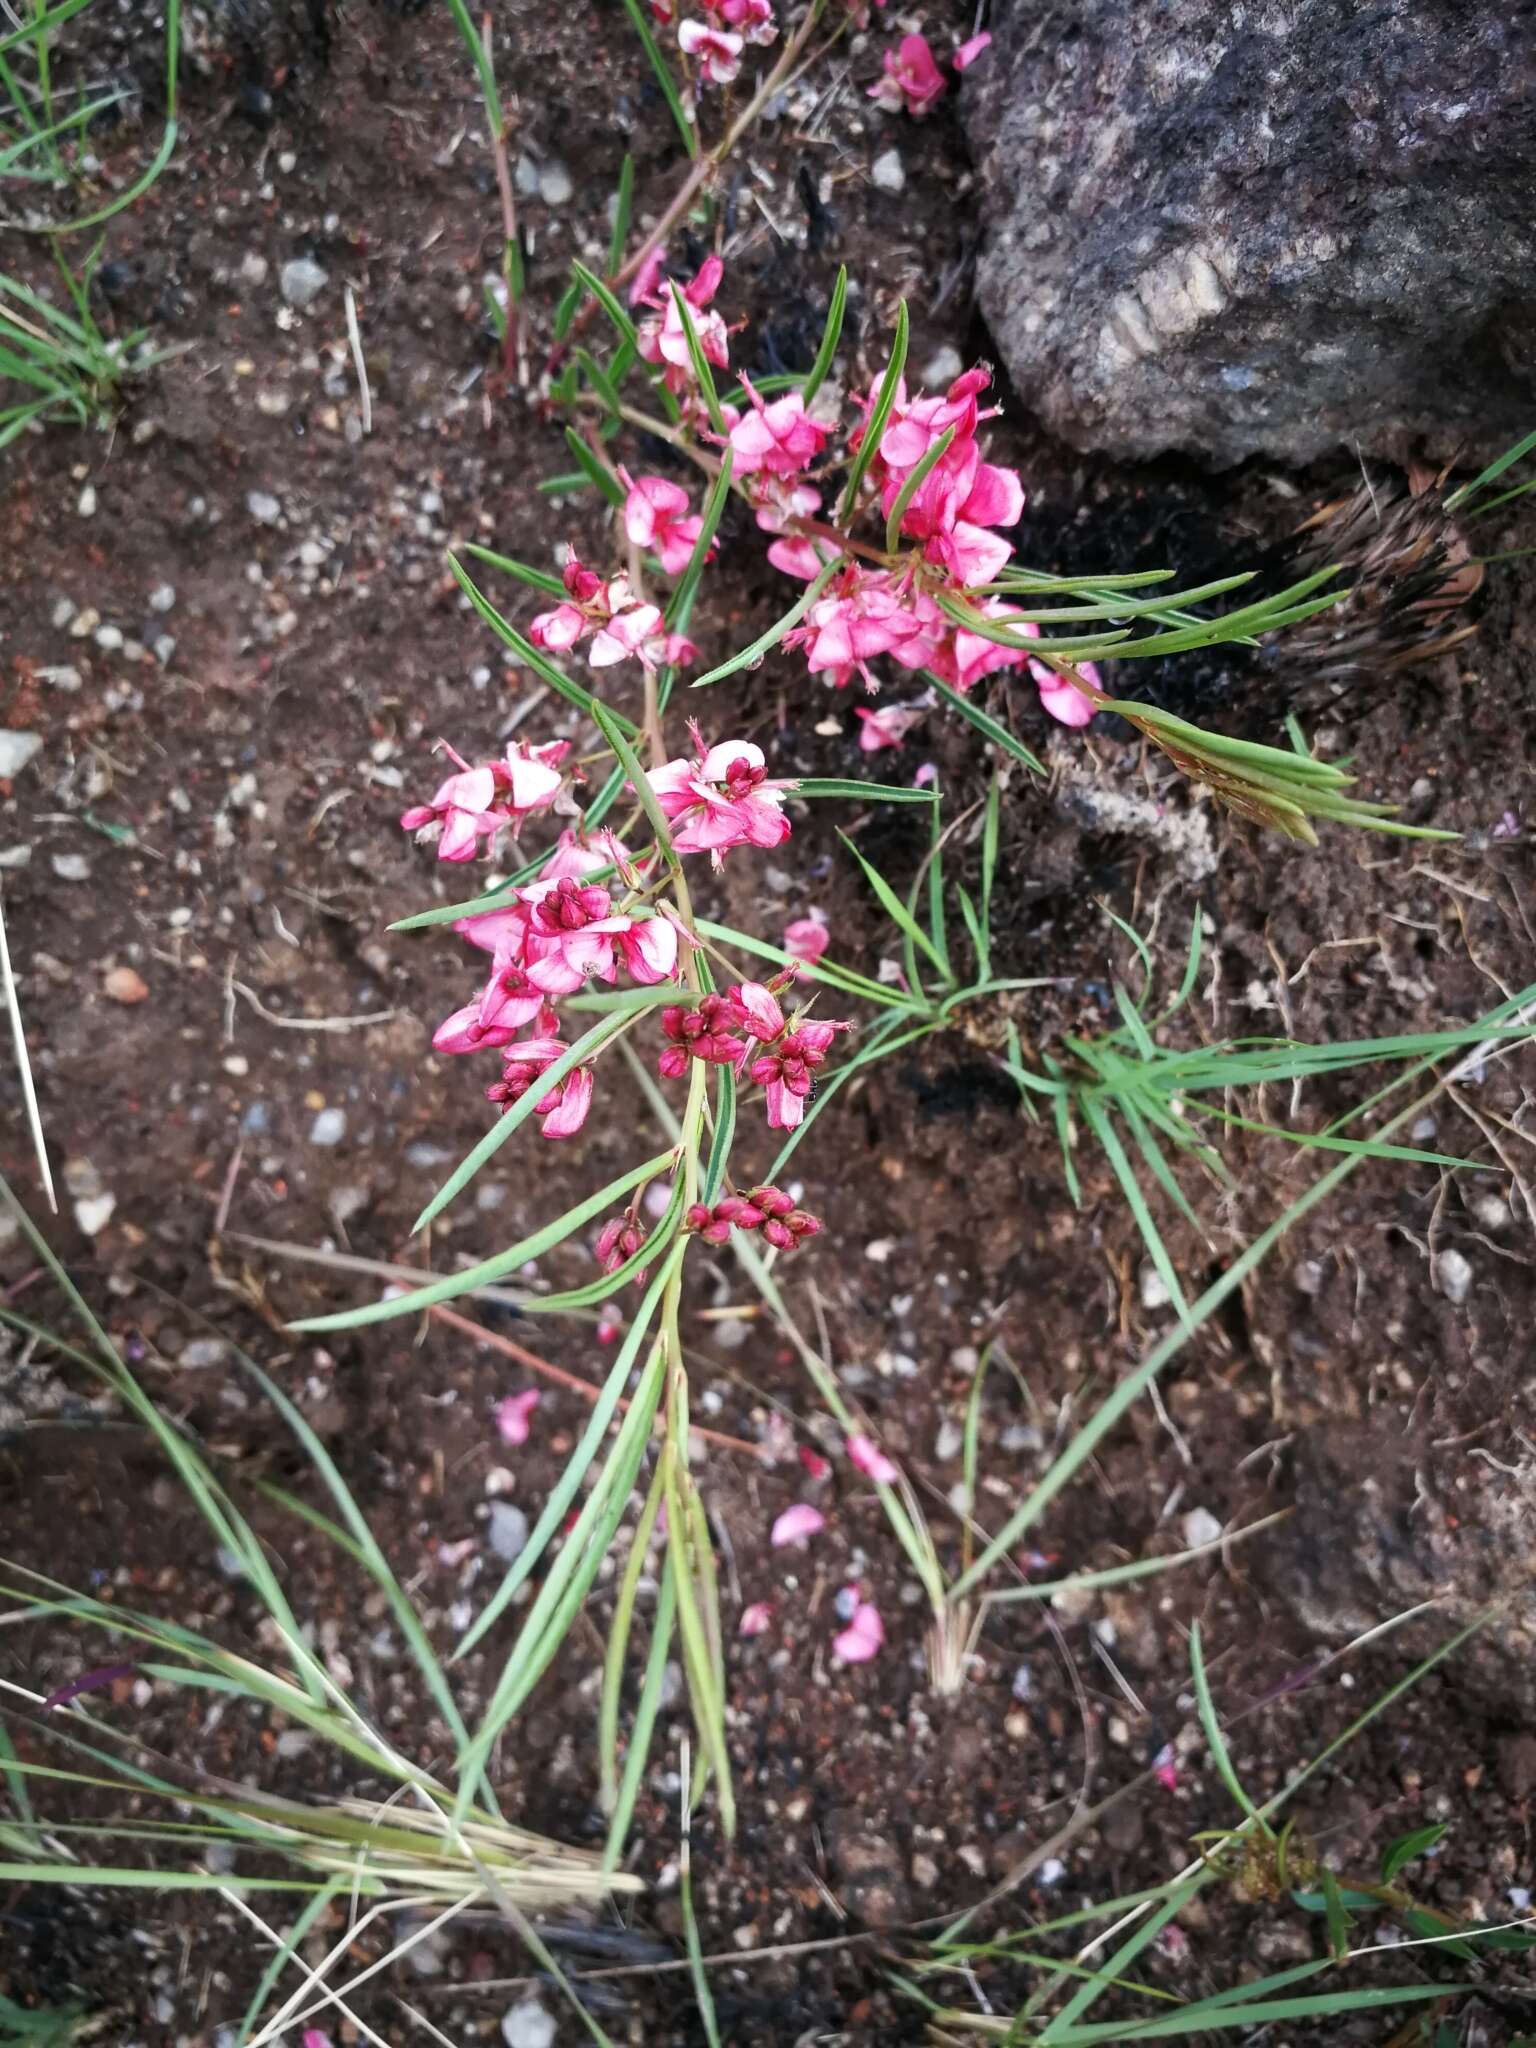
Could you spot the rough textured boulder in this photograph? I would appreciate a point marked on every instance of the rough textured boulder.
(1263, 226)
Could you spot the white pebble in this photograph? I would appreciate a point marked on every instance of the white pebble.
(71, 867)
(879, 1249)
(948, 1442)
(527, 2025)
(301, 281)
(86, 504)
(888, 172)
(1453, 1276)
(1492, 1211)
(555, 187)
(109, 638)
(1201, 1526)
(1154, 1291)
(263, 508)
(162, 597)
(16, 750)
(253, 268)
(329, 1127)
(94, 1213)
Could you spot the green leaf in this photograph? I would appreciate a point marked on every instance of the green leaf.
(639, 781)
(623, 207)
(933, 455)
(635, 9)
(1215, 1740)
(875, 425)
(893, 906)
(704, 375)
(680, 607)
(537, 579)
(831, 334)
(596, 472)
(750, 656)
(864, 792)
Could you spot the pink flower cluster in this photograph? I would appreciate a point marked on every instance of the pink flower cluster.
(621, 624)
(715, 44)
(721, 798)
(768, 1210)
(476, 803)
(792, 1050)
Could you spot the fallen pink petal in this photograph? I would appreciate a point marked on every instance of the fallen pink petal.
(863, 1636)
(867, 1455)
(796, 1525)
(514, 1415)
(756, 1619)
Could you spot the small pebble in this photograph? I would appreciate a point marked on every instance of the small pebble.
(16, 750)
(949, 1441)
(71, 867)
(555, 187)
(85, 621)
(124, 985)
(109, 638)
(253, 267)
(263, 508)
(329, 1127)
(942, 368)
(1201, 1526)
(888, 172)
(94, 1213)
(63, 611)
(525, 177)
(527, 2025)
(162, 597)
(86, 504)
(301, 281)
(203, 1352)
(1154, 1292)
(1493, 1212)
(1453, 1276)
(508, 1531)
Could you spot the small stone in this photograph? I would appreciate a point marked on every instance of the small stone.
(508, 1531)
(16, 750)
(124, 985)
(555, 186)
(85, 621)
(1309, 1276)
(263, 508)
(203, 1352)
(879, 1249)
(1423, 1130)
(1493, 1212)
(109, 638)
(163, 597)
(527, 2025)
(942, 368)
(253, 267)
(94, 1213)
(15, 857)
(71, 867)
(1154, 1291)
(888, 171)
(925, 1872)
(85, 505)
(1201, 1526)
(165, 647)
(329, 1127)
(63, 611)
(1453, 1276)
(948, 1442)
(301, 281)
(525, 177)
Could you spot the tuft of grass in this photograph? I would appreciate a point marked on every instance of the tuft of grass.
(56, 364)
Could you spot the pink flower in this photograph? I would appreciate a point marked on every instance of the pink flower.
(912, 78)
(861, 614)
(706, 1032)
(722, 798)
(477, 802)
(573, 932)
(1165, 1768)
(512, 1415)
(780, 437)
(662, 12)
(648, 276)
(862, 1638)
(572, 856)
(787, 1074)
(872, 1461)
(718, 51)
(563, 1110)
(816, 1466)
(1060, 698)
(957, 502)
(656, 516)
(807, 938)
(756, 1619)
(619, 1240)
(888, 726)
(760, 1008)
(754, 18)
(564, 626)
(796, 1525)
(777, 500)
(969, 51)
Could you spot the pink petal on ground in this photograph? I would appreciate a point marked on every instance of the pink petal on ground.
(512, 1415)
(863, 1636)
(816, 1466)
(871, 1460)
(312, 2037)
(755, 1619)
(968, 52)
(797, 1524)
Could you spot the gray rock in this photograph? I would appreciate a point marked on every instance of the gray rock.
(301, 281)
(1245, 230)
(508, 1528)
(163, 597)
(16, 750)
(253, 267)
(263, 507)
(203, 1352)
(1453, 1276)
(71, 867)
(329, 1127)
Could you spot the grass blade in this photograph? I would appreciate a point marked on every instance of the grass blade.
(831, 334)
(875, 426)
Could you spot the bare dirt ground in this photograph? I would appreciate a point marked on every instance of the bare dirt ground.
(232, 625)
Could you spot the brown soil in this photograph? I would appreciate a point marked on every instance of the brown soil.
(235, 803)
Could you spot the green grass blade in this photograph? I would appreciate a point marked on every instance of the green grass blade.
(539, 579)
(933, 455)
(750, 656)
(875, 426)
(893, 906)
(986, 724)
(831, 334)
(635, 9)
